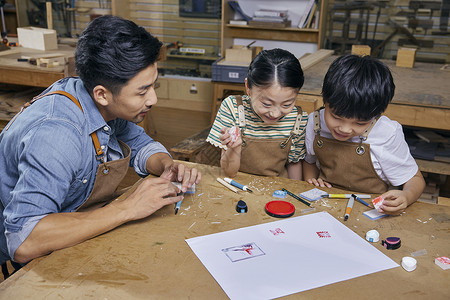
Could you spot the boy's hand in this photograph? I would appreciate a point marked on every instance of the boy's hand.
(227, 140)
(318, 182)
(395, 202)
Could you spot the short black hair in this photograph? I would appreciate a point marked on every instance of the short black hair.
(275, 66)
(358, 87)
(111, 51)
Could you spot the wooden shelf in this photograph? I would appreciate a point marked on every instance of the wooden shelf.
(433, 166)
(195, 57)
(290, 34)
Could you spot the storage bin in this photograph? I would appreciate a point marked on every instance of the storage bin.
(228, 73)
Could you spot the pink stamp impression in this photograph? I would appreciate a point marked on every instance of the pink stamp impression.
(323, 234)
(377, 202)
(234, 133)
(277, 231)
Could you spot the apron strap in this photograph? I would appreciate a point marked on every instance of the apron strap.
(296, 128)
(95, 140)
(316, 116)
(367, 131)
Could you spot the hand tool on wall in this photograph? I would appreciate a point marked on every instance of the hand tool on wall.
(4, 31)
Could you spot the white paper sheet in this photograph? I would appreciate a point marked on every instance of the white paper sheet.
(288, 256)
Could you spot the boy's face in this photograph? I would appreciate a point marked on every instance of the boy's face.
(135, 98)
(272, 103)
(343, 129)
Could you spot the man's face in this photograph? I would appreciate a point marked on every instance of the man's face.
(135, 98)
(343, 129)
(272, 103)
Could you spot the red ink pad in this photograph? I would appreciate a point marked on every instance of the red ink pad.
(280, 209)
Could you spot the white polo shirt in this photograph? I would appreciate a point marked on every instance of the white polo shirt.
(388, 149)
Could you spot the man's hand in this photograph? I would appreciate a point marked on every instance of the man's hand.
(181, 173)
(151, 195)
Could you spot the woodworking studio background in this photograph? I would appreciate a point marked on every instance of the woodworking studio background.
(412, 35)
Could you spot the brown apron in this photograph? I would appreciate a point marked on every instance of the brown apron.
(347, 165)
(266, 157)
(109, 174)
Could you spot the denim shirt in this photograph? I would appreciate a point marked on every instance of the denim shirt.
(48, 162)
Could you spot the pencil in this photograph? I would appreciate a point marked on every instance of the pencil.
(227, 185)
(346, 196)
(296, 197)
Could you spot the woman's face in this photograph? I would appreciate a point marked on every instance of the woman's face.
(272, 103)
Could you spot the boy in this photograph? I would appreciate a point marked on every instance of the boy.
(355, 147)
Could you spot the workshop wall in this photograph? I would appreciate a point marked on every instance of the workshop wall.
(421, 19)
(161, 18)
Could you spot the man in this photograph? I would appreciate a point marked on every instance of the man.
(62, 158)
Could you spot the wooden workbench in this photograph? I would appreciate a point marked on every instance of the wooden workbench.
(24, 73)
(422, 94)
(149, 259)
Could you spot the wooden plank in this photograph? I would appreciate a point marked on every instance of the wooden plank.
(167, 2)
(246, 32)
(89, 4)
(191, 41)
(433, 166)
(310, 60)
(426, 117)
(180, 25)
(158, 7)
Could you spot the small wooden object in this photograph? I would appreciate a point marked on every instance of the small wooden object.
(240, 54)
(37, 38)
(48, 6)
(309, 60)
(361, 50)
(406, 57)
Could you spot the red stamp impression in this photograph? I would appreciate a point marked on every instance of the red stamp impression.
(323, 234)
(277, 231)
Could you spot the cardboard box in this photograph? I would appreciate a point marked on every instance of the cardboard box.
(361, 50)
(406, 57)
(37, 38)
(240, 54)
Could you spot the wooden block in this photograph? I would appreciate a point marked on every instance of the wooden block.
(406, 57)
(307, 61)
(48, 6)
(37, 38)
(361, 50)
(444, 201)
(241, 54)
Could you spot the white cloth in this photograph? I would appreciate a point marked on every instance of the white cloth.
(388, 149)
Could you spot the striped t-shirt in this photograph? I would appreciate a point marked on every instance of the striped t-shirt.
(227, 116)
